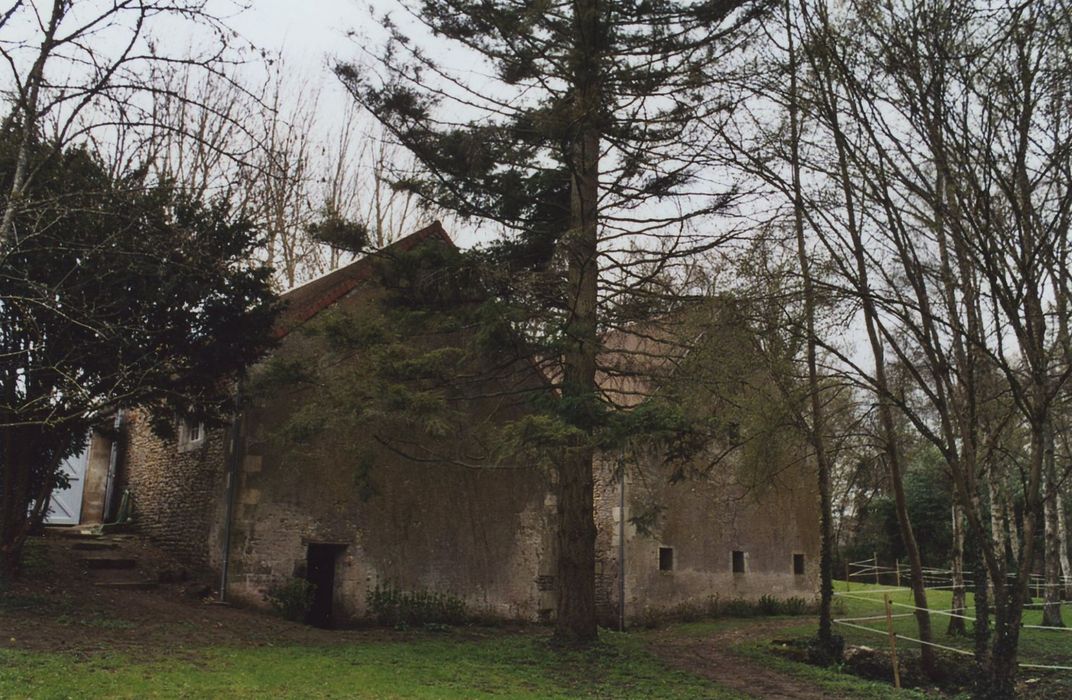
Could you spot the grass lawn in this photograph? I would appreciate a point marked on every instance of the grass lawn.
(429, 666)
(1036, 646)
(836, 682)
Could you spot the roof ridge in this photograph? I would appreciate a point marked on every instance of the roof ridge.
(349, 276)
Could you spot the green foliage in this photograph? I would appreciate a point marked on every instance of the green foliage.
(292, 599)
(394, 607)
(337, 231)
(116, 291)
(929, 498)
(716, 607)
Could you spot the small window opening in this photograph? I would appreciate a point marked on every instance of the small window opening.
(798, 564)
(191, 433)
(738, 561)
(666, 558)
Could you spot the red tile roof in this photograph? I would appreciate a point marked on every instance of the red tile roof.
(309, 299)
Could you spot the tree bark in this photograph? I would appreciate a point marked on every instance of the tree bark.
(816, 434)
(1062, 536)
(1010, 520)
(885, 406)
(575, 582)
(956, 624)
(1051, 611)
(998, 521)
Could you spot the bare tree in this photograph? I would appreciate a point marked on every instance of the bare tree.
(77, 70)
(945, 132)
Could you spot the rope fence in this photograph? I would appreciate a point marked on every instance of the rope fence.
(934, 579)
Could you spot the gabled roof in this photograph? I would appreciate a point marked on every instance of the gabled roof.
(305, 301)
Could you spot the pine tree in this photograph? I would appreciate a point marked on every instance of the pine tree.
(582, 143)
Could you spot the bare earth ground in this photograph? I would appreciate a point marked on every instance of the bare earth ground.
(56, 608)
(712, 657)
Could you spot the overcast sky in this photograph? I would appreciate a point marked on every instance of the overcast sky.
(307, 31)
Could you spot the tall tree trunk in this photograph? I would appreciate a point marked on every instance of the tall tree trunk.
(956, 624)
(998, 522)
(1009, 599)
(14, 502)
(576, 609)
(981, 626)
(1051, 611)
(816, 434)
(1062, 536)
(883, 394)
(1012, 523)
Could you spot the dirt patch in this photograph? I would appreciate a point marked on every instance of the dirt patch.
(56, 607)
(712, 657)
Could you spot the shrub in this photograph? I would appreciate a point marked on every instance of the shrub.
(392, 606)
(292, 599)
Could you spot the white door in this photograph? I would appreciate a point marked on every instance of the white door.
(67, 503)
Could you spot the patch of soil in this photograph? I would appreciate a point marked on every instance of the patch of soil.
(712, 657)
(54, 606)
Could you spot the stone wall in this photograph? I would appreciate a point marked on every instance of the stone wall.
(703, 521)
(96, 478)
(179, 492)
(463, 527)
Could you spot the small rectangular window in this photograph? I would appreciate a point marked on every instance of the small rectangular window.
(191, 434)
(666, 558)
(738, 562)
(798, 564)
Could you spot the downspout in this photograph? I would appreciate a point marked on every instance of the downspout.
(233, 458)
(621, 546)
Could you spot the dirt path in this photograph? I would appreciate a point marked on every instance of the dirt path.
(712, 657)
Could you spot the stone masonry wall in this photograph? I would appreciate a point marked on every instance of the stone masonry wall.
(178, 493)
(703, 522)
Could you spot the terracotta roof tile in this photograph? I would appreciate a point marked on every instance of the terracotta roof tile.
(305, 301)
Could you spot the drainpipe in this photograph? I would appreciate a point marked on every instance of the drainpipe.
(232, 477)
(621, 546)
(113, 465)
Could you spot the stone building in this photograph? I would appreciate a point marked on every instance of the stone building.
(240, 506)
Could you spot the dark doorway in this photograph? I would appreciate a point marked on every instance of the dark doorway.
(320, 571)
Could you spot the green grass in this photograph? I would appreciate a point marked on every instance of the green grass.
(1036, 646)
(519, 666)
(837, 682)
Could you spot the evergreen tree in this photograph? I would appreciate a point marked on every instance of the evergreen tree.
(113, 293)
(587, 157)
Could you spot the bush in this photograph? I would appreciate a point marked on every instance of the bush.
(397, 608)
(292, 599)
(716, 607)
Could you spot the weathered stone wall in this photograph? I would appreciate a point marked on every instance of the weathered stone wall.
(703, 521)
(178, 492)
(479, 532)
(96, 478)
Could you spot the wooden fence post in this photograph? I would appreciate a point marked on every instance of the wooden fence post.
(893, 640)
(898, 562)
(876, 569)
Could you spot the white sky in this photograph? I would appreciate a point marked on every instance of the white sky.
(310, 34)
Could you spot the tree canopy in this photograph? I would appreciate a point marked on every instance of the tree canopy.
(113, 292)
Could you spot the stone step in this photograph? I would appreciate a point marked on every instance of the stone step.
(91, 545)
(118, 528)
(139, 585)
(74, 533)
(109, 562)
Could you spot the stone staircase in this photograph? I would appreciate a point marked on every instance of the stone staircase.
(106, 558)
